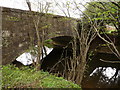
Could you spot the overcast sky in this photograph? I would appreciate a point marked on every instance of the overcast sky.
(21, 4)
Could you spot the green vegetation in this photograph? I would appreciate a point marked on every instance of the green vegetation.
(104, 13)
(48, 43)
(25, 77)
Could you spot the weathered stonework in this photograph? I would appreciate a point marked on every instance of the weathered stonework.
(18, 30)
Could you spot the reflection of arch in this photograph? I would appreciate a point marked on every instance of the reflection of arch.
(96, 62)
(92, 80)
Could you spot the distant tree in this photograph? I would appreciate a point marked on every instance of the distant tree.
(107, 12)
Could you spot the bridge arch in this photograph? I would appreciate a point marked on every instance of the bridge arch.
(18, 29)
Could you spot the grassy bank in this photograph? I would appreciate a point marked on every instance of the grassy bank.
(25, 77)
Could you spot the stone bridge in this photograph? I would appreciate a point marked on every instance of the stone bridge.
(18, 30)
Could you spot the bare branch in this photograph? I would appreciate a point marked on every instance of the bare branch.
(109, 61)
(29, 4)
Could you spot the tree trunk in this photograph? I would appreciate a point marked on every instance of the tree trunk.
(81, 70)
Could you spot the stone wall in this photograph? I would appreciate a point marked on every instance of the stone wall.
(18, 30)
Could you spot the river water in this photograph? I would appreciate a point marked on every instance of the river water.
(101, 74)
(27, 58)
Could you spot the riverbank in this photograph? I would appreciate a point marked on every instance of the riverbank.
(25, 77)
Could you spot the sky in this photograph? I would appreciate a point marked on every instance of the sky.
(56, 6)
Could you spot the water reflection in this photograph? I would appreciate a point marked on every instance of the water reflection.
(102, 74)
(107, 72)
(27, 58)
(103, 77)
